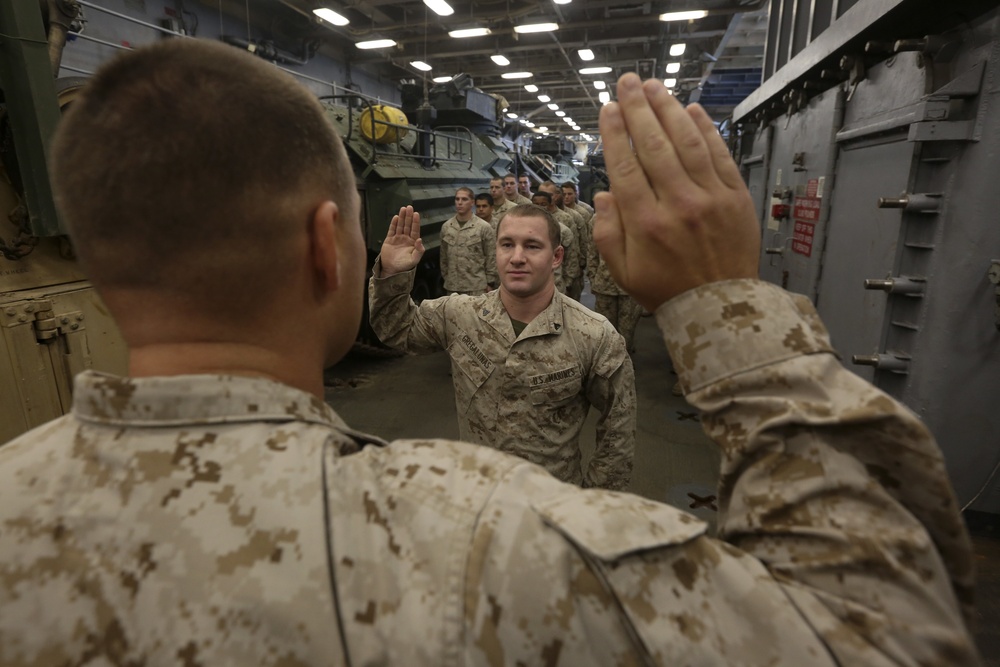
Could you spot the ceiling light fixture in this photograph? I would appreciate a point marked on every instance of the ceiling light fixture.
(440, 7)
(531, 88)
(604, 96)
(600, 85)
(554, 107)
(544, 98)
(673, 68)
(585, 54)
(500, 60)
(529, 124)
(441, 79)
(684, 16)
(560, 113)
(678, 50)
(576, 127)
(469, 32)
(421, 65)
(670, 83)
(376, 44)
(517, 75)
(595, 70)
(536, 27)
(331, 16)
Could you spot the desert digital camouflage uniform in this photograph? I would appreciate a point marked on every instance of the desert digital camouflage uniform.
(583, 209)
(468, 256)
(521, 199)
(206, 520)
(583, 234)
(503, 208)
(569, 270)
(526, 395)
(611, 300)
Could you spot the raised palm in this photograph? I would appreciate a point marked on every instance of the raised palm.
(402, 247)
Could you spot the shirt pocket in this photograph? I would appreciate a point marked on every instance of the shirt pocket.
(471, 368)
(556, 388)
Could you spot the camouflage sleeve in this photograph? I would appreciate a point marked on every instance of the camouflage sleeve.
(443, 258)
(611, 390)
(838, 489)
(398, 321)
(490, 253)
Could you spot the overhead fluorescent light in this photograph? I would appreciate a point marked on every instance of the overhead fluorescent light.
(684, 16)
(441, 79)
(600, 85)
(511, 115)
(595, 70)
(554, 107)
(531, 88)
(516, 75)
(440, 7)
(670, 83)
(542, 129)
(469, 32)
(500, 60)
(331, 16)
(678, 50)
(568, 121)
(536, 27)
(604, 96)
(673, 68)
(560, 113)
(576, 127)
(529, 124)
(544, 98)
(421, 65)
(585, 54)
(376, 44)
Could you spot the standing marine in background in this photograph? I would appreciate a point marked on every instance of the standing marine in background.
(468, 249)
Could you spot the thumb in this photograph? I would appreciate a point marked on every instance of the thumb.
(609, 235)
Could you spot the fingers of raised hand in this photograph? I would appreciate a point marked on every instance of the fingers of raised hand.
(684, 136)
(725, 167)
(627, 177)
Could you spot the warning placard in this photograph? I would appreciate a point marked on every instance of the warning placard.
(802, 238)
(805, 214)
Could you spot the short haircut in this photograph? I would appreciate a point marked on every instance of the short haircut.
(485, 196)
(532, 211)
(571, 186)
(547, 196)
(186, 167)
(472, 195)
(548, 184)
(496, 178)
(509, 175)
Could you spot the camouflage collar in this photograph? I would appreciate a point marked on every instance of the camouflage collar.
(194, 399)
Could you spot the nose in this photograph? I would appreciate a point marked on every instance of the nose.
(517, 256)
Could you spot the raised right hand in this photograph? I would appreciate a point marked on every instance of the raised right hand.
(678, 214)
(402, 247)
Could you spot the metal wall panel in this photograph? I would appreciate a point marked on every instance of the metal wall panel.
(913, 209)
(802, 155)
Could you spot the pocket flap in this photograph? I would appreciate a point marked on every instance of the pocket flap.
(611, 525)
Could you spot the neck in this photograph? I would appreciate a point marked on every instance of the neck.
(226, 358)
(527, 308)
(465, 218)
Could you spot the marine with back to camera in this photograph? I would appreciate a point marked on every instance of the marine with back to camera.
(211, 508)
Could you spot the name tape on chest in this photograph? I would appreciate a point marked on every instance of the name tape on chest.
(477, 353)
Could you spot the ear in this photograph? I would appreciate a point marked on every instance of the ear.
(323, 242)
(558, 256)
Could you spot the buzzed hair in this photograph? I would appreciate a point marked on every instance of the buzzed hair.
(472, 195)
(188, 166)
(509, 175)
(486, 197)
(547, 196)
(496, 178)
(548, 183)
(532, 211)
(571, 186)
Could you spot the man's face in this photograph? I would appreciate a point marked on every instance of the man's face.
(524, 184)
(540, 201)
(496, 190)
(526, 258)
(569, 196)
(510, 187)
(484, 209)
(554, 191)
(463, 203)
